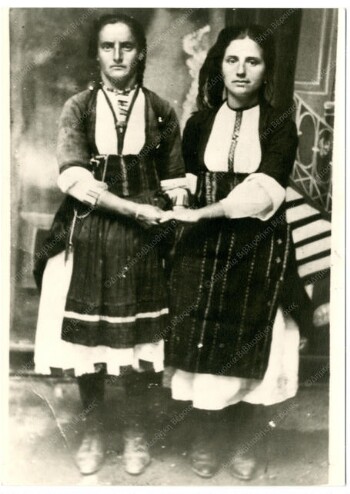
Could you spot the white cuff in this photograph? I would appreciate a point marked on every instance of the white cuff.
(80, 183)
(258, 196)
(191, 182)
(173, 183)
(179, 197)
(176, 189)
(274, 190)
(71, 176)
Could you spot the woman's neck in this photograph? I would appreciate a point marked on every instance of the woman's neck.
(241, 103)
(118, 84)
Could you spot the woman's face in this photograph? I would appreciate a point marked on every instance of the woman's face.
(243, 69)
(117, 54)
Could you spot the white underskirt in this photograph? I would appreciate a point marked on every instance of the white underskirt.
(52, 351)
(280, 382)
(204, 390)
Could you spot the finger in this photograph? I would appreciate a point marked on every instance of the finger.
(151, 222)
(166, 220)
(101, 185)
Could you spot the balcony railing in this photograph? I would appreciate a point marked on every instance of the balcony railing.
(312, 173)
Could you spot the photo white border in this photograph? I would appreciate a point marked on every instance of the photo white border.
(340, 178)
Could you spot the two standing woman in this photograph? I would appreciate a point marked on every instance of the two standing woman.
(120, 161)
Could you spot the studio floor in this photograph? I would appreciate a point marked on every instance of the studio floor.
(45, 428)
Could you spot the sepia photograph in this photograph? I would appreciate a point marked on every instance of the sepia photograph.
(175, 306)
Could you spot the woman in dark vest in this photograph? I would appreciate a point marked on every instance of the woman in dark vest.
(104, 301)
(233, 338)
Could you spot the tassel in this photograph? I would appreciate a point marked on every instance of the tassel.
(69, 246)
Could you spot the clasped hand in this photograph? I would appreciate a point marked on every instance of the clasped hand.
(148, 215)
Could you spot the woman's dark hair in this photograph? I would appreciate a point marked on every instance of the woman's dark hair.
(136, 30)
(211, 82)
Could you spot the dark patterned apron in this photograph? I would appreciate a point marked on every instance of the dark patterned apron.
(118, 295)
(226, 284)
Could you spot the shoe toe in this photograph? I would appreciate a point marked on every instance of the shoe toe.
(88, 466)
(90, 456)
(136, 466)
(244, 468)
(205, 471)
(136, 456)
(204, 462)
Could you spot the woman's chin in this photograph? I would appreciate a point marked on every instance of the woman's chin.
(240, 91)
(242, 98)
(119, 78)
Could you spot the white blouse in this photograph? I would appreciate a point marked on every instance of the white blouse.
(259, 195)
(248, 150)
(135, 133)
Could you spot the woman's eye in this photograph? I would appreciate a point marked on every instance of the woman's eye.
(231, 60)
(128, 47)
(253, 62)
(107, 46)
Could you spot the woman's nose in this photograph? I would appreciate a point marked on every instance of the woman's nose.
(117, 52)
(241, 69)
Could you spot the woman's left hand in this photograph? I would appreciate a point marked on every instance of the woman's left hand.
(182, 215)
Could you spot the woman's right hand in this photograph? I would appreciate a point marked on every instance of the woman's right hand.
(145, 214)
(148, 215)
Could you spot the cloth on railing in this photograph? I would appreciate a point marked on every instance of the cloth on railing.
(311, 234)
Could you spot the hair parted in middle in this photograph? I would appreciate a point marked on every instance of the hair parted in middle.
(211, 82)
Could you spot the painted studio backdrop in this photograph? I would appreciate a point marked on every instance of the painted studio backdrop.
(49, 63)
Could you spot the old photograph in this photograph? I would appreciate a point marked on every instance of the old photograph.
(171, 185)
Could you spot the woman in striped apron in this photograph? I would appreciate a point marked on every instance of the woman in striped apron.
(232, 336)
(104, 302)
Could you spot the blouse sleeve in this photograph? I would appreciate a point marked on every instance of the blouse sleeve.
(258, 196)
(172, 169)
(190, 153)
(81, 184)
(190, 146)
(280, 149)
(72, 143)
(177, 190)
(73, 156)
(169, 152)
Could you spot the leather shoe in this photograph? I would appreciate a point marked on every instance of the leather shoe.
(90, 455)
(204, 461)
(244, 466)
(136, 454)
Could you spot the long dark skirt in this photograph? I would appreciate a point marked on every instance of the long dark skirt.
(225, 290)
